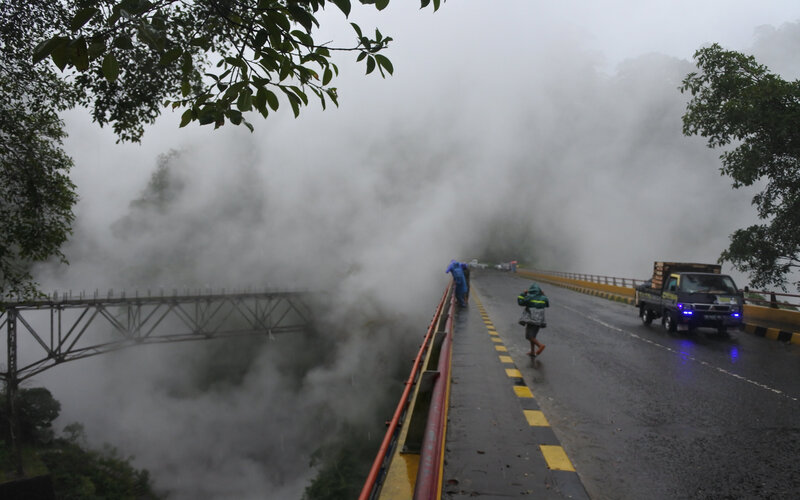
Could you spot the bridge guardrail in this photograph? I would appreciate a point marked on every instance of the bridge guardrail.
(755, 297)
(427, 418)
(777, 312)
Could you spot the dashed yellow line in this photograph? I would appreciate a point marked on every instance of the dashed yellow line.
(536, 418)
(523, 391)
(556, 457)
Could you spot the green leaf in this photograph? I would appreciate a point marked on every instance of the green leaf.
(186, 117)
(123, 42)
(235, 116)
(186, 88)
(300, 16)
(385, 63)
(82, 17)
(303, 38)
(333, 96)
(285, 71)
(60, 56)
(110, 67)
(302, 95)
(96, 48)
(344, 6)
(207, 115)
(170, 56)
(295, 105)
(381, 4)
(361, 56)
(357, 29)
(424, 3)
(46, 47)
(327, 76)
(260, 38)
(80, 54)
(272, 100)
(260, 102)
(245, 100)
(370, 64)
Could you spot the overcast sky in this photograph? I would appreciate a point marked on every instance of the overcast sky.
(474, 77)
(557, 119)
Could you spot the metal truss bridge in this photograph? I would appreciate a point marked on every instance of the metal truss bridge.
(55, 330)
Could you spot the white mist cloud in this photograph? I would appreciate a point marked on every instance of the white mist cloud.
(563, 116)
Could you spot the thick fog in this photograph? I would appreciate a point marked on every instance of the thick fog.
(550, 134)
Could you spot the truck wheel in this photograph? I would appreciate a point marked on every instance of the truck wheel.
(646, 315)
(669, 322)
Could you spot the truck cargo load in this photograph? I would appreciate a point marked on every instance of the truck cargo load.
(661, 269)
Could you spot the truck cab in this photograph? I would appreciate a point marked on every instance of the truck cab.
(688, 300)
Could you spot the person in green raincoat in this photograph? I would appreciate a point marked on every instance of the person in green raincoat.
(534, 301)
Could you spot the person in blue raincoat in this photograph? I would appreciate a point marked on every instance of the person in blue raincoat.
(534, 301)
(459, 280)
(465, 269)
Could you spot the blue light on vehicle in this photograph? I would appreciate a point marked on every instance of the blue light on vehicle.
(735, 315)
(687, 313)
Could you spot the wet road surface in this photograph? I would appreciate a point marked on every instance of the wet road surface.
(643, 413)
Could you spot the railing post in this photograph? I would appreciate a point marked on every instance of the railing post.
(12, 387)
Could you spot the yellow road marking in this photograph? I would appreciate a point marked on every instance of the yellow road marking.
(536, 418)
(523, 391)
(497, 339)
(493, 332)
(556, 458)
(513, 372)
(506, 359)
(500, 348)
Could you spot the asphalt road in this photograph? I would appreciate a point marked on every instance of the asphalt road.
(647, 414)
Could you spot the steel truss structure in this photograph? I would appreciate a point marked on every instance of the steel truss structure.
(139, 320)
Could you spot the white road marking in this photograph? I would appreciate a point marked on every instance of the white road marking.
(684, 355)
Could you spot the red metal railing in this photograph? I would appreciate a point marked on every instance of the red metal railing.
(373, 482)
(431, 460)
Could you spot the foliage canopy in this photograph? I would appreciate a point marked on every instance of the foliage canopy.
(36, 194)
(216, 59)
(125, 60)
(737, 102)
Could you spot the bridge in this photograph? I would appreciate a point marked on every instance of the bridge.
(612, 409)
(57, 329)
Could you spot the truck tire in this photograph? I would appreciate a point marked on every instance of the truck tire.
(669, 322)
(646, 315)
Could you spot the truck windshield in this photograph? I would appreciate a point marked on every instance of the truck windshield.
(707, 283)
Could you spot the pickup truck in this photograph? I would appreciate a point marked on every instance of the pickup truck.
(688, 295)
